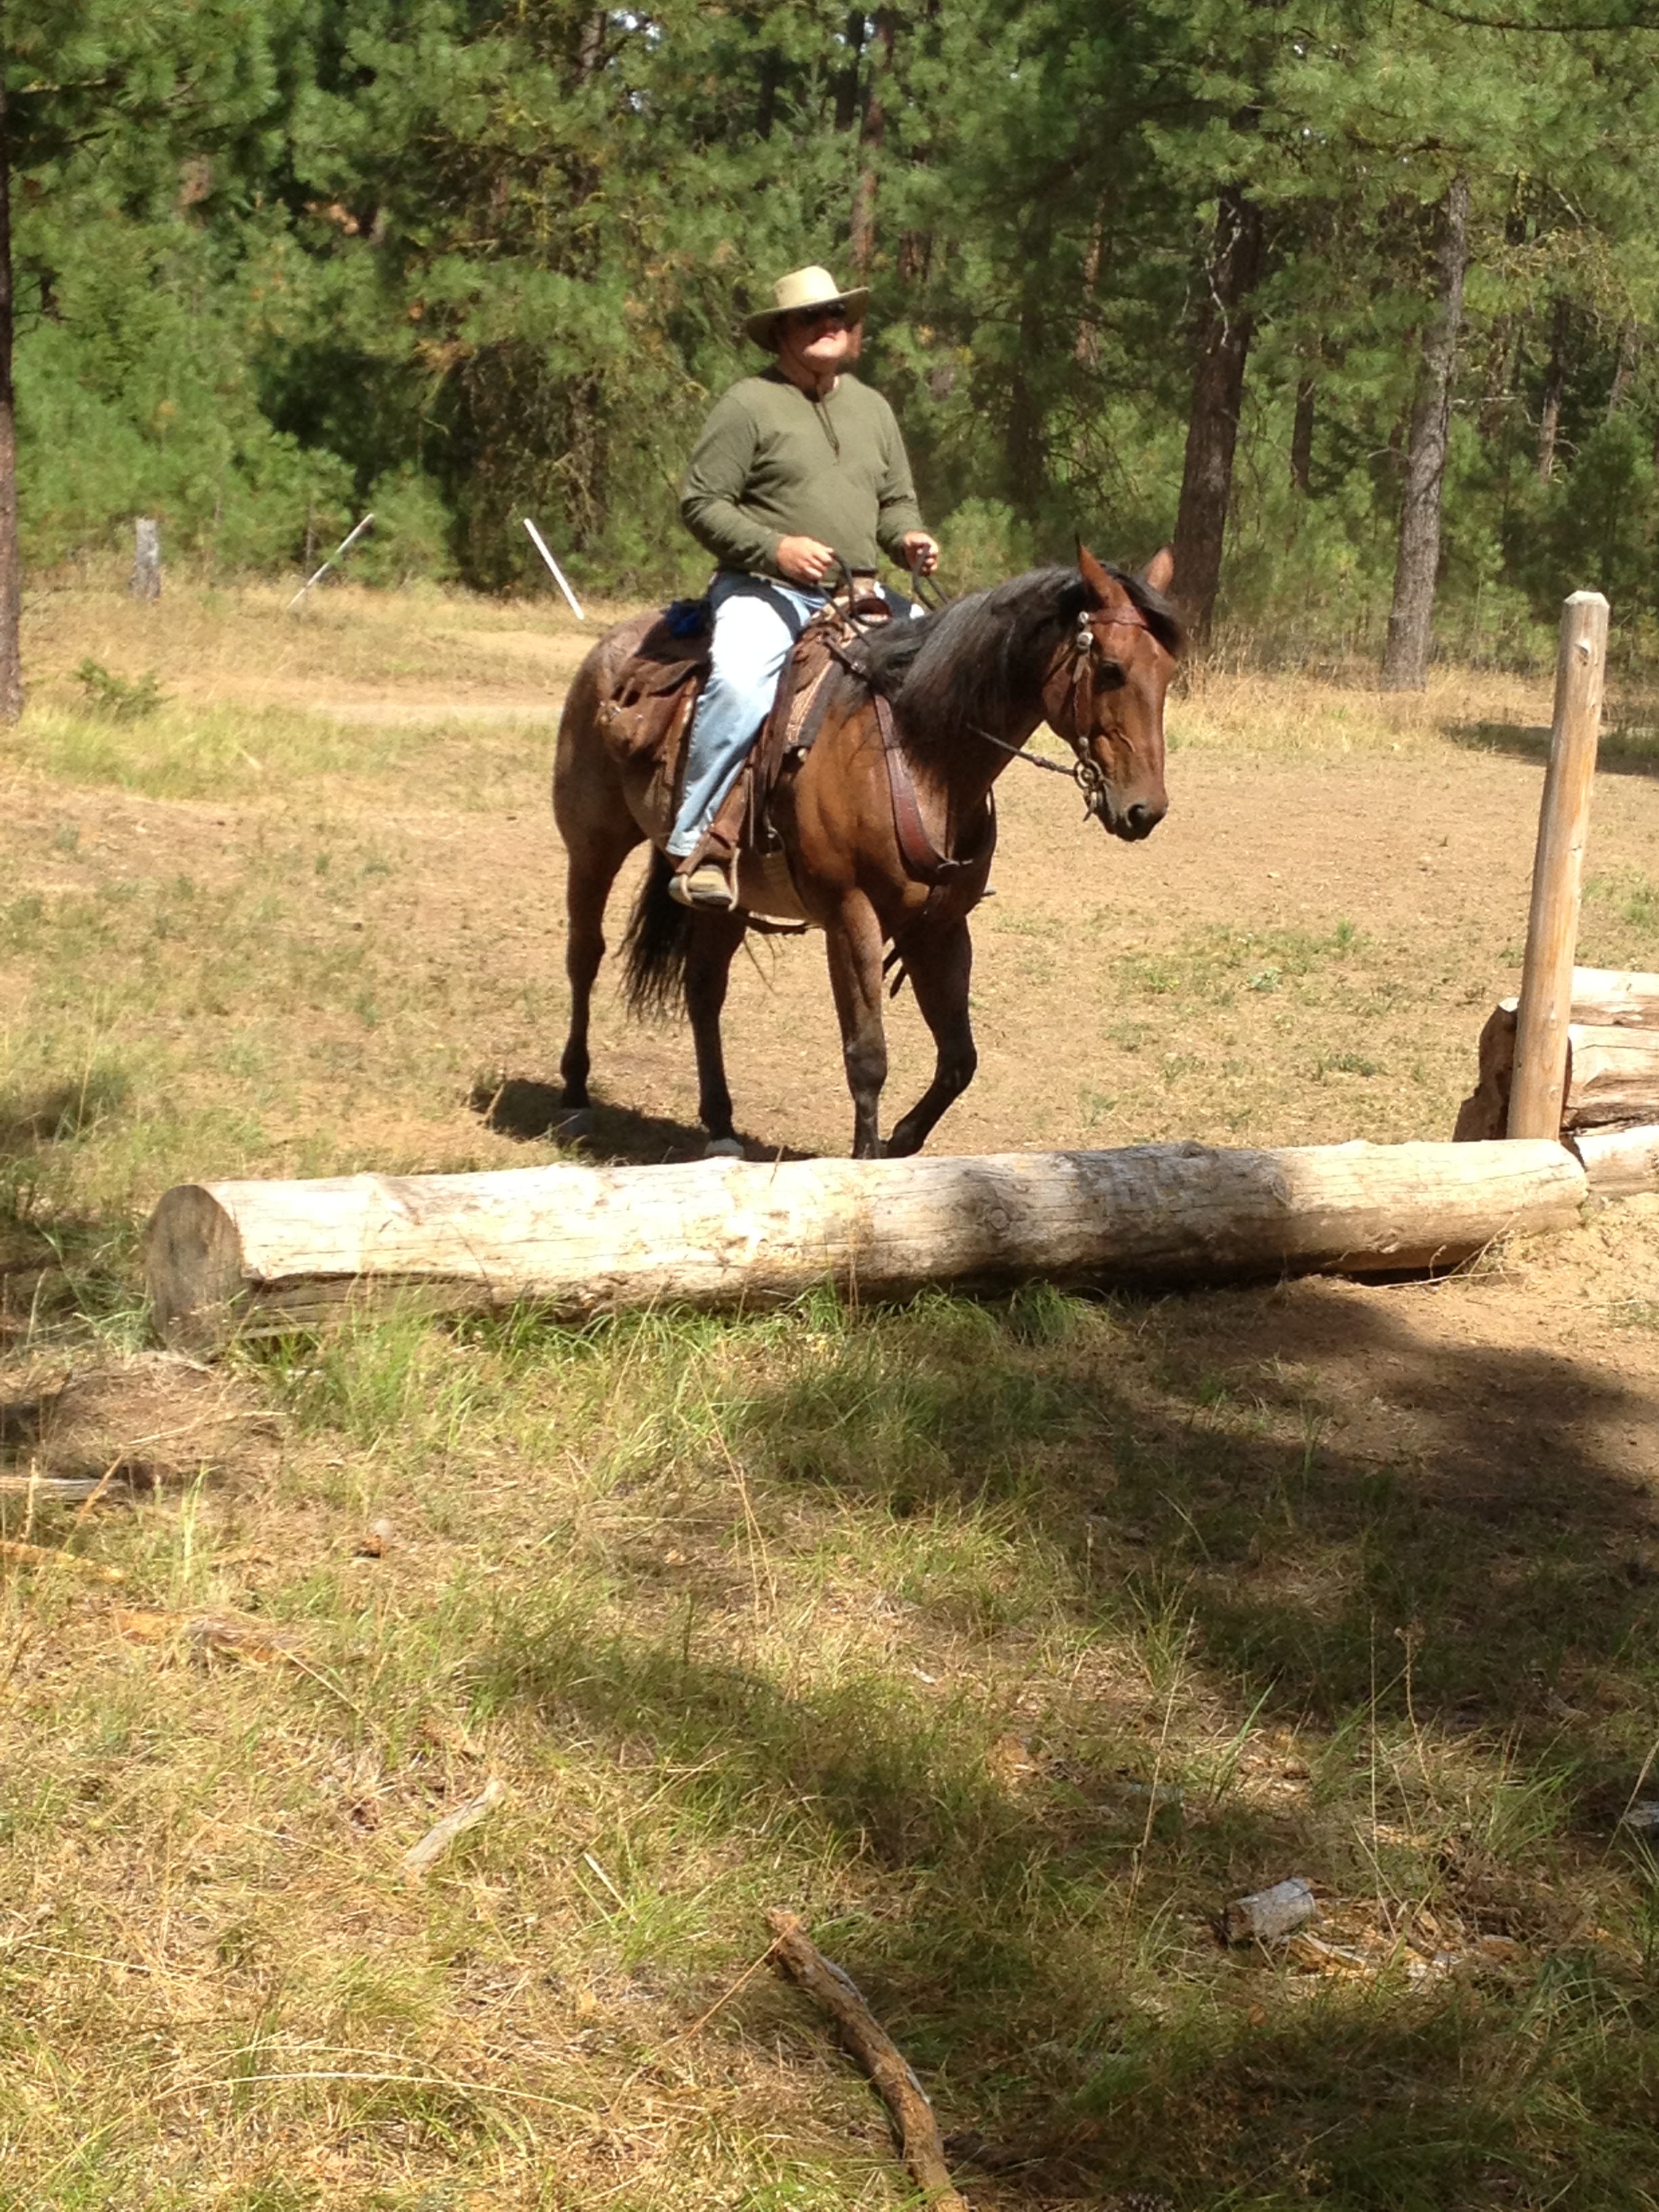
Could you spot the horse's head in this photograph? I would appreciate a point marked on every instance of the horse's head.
(1104, 692)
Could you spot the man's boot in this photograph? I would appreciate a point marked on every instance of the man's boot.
(708, 877)
(706, 883)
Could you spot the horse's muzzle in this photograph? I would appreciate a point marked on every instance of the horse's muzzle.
(1131, 822)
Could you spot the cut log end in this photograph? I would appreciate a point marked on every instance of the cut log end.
(193, 1266)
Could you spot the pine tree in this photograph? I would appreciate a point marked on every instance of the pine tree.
(103, 101)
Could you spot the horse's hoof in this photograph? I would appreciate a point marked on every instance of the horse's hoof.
(722, 1148)
(571, 1126)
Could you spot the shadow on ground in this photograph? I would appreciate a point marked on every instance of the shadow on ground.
(52, 1266)
(1632, 749)
(59, 1112)
(1340, 1521)
(532, 1111)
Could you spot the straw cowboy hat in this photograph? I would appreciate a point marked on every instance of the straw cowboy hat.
(804, 287)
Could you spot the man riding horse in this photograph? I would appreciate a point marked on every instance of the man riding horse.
(799, 471)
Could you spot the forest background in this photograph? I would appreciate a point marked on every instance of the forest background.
(1349, 288)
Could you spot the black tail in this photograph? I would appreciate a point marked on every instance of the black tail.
(654, 949)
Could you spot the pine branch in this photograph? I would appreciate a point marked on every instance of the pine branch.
(1632, 22)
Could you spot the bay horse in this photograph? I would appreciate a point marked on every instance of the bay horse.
(955, 695)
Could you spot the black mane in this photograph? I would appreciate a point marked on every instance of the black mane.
(974, 658)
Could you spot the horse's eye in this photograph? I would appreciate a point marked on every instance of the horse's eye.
(1109, 676)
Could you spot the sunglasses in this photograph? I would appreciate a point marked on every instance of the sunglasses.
(806, 318)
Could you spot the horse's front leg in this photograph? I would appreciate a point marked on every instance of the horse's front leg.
(715, 938)
(939, 963)
(854, 942)
(596, 855)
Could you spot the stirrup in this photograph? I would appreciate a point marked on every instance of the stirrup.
(708, 886)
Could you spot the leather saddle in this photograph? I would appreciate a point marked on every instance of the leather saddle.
(647, 717)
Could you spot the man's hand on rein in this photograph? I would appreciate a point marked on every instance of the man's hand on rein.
(920, 552)
(804, 560)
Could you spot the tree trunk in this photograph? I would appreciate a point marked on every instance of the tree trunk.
(1555, 378)
(1624, 367)
(11, 574)
(771, 79)
(590, 44)
(1225, 327)
(146, 580)
(270, 1256)
(847, 83)
(1085, 350)
(1302, 430)
(1025, 445)
(1411, 618)
(1501, 374)
(915, 256)
(872, 132)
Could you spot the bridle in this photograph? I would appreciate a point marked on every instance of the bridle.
(1084, 770)
(1084, 651)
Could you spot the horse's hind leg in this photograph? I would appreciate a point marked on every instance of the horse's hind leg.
(939, 963)
(593, 863)
(714, 939)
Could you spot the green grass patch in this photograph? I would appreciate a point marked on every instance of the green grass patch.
(1004, 1637)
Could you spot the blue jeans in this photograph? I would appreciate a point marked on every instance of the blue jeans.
(756, 623)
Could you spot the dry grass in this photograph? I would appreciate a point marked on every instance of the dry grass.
(1483, 709)
(901, 1618)
(232, 645)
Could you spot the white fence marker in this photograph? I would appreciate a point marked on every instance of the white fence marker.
(147, 562)
(339, 554)
(540, 544)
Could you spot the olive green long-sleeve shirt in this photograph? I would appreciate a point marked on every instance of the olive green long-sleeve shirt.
(771, 463)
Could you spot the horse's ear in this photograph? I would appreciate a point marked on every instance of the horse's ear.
(1101, 587)
(1160, 571)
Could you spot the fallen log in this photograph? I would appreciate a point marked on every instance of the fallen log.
(1620, 1163)
(1612, 1059)
(266, 1257)
(1615, 998)
(1612, 1078)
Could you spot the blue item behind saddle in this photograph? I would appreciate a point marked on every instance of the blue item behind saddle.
(688, 617)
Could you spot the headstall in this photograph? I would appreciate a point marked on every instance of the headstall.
(1084, 770)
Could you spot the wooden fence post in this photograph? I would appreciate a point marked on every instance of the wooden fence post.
(1558, 868)
(147, 559)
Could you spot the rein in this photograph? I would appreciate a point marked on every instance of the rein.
(1031, 760)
